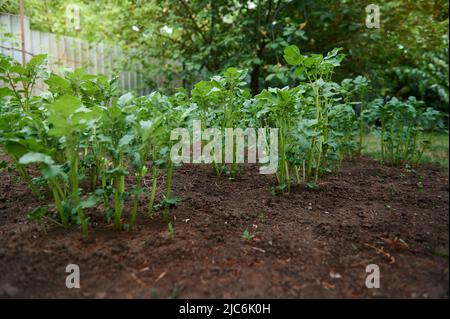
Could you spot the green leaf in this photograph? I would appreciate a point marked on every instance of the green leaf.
(58, 84)
(15, 149)
(136, 161)
(90, 202)
(299, 71)
(109, 214)
(36, 61)
(5, 63)
(83, 115)
(333, 53)
(33, 157)
(65, 106)
(171, 201)
(146, 124)
(3, 164)
(51, 171)
(292, 55)
(6, 92)
(125, 140)
(125, 99)
(311, 185)
(37, 213)
(18, 69)
(310, 61)
(234, 75)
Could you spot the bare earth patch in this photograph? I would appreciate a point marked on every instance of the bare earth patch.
(308, 244)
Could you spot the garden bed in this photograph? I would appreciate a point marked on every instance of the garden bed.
(307, 244)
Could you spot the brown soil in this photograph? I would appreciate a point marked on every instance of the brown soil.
(308, 244)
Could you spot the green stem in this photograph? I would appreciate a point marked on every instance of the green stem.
(288, 178)
(118, 195)
(339, 166)
(282, 167)
(155, 174)
(136, 201)
(317, 171)
(26, 177)
(303, 172)
(59, 206)
(310, 158)
(297, 176)
(75, 190)
(382, 142)
(168, 189)
(361, 127)
(217, 169)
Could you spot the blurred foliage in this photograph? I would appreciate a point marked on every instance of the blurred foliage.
(437, 153)
(408, 55)
(193, 39)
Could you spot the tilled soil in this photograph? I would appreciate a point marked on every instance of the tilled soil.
(308, 244)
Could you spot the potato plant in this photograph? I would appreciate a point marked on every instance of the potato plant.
(401, 126)
(316, 126)
(220, 102)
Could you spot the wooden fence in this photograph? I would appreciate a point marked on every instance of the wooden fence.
(67, 52)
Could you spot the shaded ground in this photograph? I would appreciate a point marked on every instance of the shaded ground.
(309, 244)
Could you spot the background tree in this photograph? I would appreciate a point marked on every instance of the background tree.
(408, 55)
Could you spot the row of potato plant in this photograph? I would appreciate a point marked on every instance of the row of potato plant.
(88, 143)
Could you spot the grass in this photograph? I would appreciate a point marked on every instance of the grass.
(437, 153)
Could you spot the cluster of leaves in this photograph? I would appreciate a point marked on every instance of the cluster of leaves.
(401, 124)
(84, 139)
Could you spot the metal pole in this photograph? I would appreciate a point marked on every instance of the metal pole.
(22, 33)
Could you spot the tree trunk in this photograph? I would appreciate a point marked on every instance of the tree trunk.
(254, 84)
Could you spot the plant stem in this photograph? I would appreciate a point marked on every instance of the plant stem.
(26, 177)
(310, 158)
(303, 172)
(317, 171)
(297, 177)
(361, 127)
(59, 206)
(75, 189)
(118, 195)
(168, 189)
(382, 141)
(136, 201)
(155, 174)
(288, 178)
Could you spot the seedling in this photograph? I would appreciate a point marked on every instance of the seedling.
(247, 235)
(175, 293)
